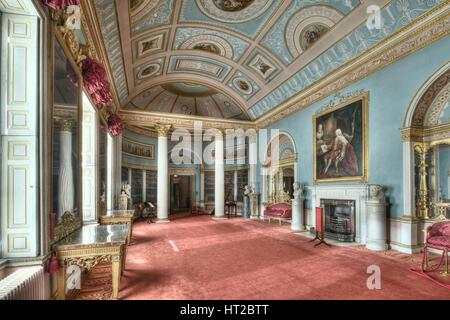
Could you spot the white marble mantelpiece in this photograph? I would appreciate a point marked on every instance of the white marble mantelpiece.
(357, 193)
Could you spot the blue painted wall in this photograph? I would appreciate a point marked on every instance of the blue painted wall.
(391, 92)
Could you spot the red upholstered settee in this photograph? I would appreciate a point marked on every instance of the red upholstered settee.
(279, 211)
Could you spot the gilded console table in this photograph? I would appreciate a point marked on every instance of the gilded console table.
(89, 246)
(119, 217)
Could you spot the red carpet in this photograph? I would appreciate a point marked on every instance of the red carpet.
(198, 258)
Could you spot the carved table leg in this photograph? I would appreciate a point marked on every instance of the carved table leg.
(124, 258)
(62, 281)
(130, 231)
(116, 263)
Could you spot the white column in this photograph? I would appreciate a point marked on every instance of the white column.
(409, 208)
(144, 186)
(65, 177)
(236, 187)
(202, 189)
(117, 170)
(220, 177)
(110, 174)
(253, 160)
(163, 173)
(89, 162)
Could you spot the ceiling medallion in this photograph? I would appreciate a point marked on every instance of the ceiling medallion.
(311, 34)
(243, 86)
(233, 11)
(320, 15)
(148, 71)
(208, 47)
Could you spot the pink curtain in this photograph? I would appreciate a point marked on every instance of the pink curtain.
(60, 4)
(96, 82)
(115, 125)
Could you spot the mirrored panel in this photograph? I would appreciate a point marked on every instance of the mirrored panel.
(65, 143)
(102, 165)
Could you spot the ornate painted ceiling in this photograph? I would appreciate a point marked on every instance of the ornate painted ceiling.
(235, 59)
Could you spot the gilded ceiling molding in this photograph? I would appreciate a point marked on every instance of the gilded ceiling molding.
(410, 40)
(146, 119)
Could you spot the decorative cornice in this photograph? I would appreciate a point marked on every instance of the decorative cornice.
(149, 119)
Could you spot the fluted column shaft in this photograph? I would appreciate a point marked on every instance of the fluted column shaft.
(65, 177)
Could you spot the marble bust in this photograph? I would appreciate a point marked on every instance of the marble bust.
(298, 190)
(376, 193)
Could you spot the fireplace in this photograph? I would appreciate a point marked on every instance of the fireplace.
(339, 219)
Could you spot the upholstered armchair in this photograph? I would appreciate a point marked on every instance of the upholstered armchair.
(279, 211)
(438, 238)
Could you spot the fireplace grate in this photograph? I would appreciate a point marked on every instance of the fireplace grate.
(339, 220)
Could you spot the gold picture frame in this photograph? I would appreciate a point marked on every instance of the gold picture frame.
(329, 155)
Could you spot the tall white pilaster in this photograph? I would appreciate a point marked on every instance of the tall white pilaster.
(236, 187)
(144, 186)
(220, 177)
(202, 189)
(163, 173)
(253, 159)
(65, 177)
(409, 208)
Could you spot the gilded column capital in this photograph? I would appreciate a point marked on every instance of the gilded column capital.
(163, 129)
(66, 125)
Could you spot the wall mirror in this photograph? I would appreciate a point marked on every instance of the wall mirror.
(102, 166)
(65, 141)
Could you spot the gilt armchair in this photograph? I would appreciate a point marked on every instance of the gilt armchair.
(438, 238)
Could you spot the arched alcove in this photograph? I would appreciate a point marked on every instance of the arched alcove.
(426, 139)
(280, 166)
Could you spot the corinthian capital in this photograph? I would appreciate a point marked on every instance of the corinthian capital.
(163, 129)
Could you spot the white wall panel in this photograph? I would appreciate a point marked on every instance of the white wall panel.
(89, 161)
(18, 134)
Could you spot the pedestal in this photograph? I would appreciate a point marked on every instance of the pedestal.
(376, 226)
(246, 213)
(123, 202)
(298, 219)
(254, 206)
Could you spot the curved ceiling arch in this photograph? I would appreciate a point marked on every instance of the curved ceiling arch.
(175, 90)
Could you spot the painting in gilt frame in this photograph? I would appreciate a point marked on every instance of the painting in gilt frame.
(341, 142)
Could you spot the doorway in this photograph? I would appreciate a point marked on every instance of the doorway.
(181, 193)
